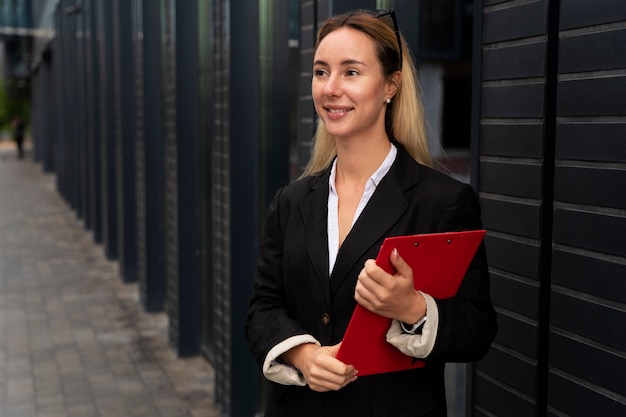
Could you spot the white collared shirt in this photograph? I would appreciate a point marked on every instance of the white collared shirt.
(333, 203)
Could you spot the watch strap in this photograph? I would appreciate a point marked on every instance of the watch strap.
(415, 328)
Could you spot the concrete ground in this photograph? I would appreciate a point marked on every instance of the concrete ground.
(74, 339)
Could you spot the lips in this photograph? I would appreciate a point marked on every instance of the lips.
(338, 112)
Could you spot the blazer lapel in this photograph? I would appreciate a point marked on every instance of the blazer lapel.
(314, 209)
(385, 207)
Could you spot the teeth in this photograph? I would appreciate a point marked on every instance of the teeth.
(337, 110)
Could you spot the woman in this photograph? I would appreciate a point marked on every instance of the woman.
(368, 178)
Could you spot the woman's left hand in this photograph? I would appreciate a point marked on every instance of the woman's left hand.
(392, 296)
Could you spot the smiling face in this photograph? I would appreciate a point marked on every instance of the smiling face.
(349, 88)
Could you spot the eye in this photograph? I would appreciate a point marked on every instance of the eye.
(318, 72)
(352, 72)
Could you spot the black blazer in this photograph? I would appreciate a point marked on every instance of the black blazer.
(294, 295)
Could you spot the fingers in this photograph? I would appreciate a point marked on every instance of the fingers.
(323, 372)
(399, 263)
(366, 287)
(372, 275)
(330, 375)
(333, 350)
(374, 286)
(382, 293)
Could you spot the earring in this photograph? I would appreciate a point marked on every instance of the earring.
(388, 100)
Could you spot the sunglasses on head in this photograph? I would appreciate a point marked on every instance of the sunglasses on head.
(392, 15)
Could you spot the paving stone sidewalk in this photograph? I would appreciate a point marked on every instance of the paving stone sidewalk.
(74, 340)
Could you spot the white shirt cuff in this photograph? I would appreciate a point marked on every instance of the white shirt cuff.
(418, 345)
(281, 372)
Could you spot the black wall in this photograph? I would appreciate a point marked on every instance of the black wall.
(149, 152)
(551, 131)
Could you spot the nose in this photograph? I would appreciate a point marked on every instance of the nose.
(333, 85)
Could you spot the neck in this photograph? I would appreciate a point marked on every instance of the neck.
(357, 161)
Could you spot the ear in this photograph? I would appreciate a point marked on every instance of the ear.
(394, 84)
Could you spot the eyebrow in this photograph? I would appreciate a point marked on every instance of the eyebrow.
(343, 63)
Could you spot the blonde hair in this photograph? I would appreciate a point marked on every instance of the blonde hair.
(404, 118)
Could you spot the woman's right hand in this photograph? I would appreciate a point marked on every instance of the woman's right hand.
(320, 367)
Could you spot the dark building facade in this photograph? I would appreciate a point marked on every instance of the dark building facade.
(550, 140)
(169, 125)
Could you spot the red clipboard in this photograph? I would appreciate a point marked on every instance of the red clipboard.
(439, 262)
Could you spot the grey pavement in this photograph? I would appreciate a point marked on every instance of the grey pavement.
(74, 339)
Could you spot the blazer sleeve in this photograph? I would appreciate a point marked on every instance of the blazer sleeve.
(268, 322)
(467, 322)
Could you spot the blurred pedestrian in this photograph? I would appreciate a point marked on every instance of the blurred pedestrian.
(18, 135)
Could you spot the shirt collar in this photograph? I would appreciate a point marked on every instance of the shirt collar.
(376, 177)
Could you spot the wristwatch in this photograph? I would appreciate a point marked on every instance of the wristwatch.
(415, 328)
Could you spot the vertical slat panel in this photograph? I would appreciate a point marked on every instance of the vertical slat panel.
(188, 181)
(220, 210)
(170, 158)
(244, 157)
(140, 149)
(590, 212)
(107, 130)
(152, 288)
(93, 119)
(82, 139)
(510, 178)
(125, 140)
